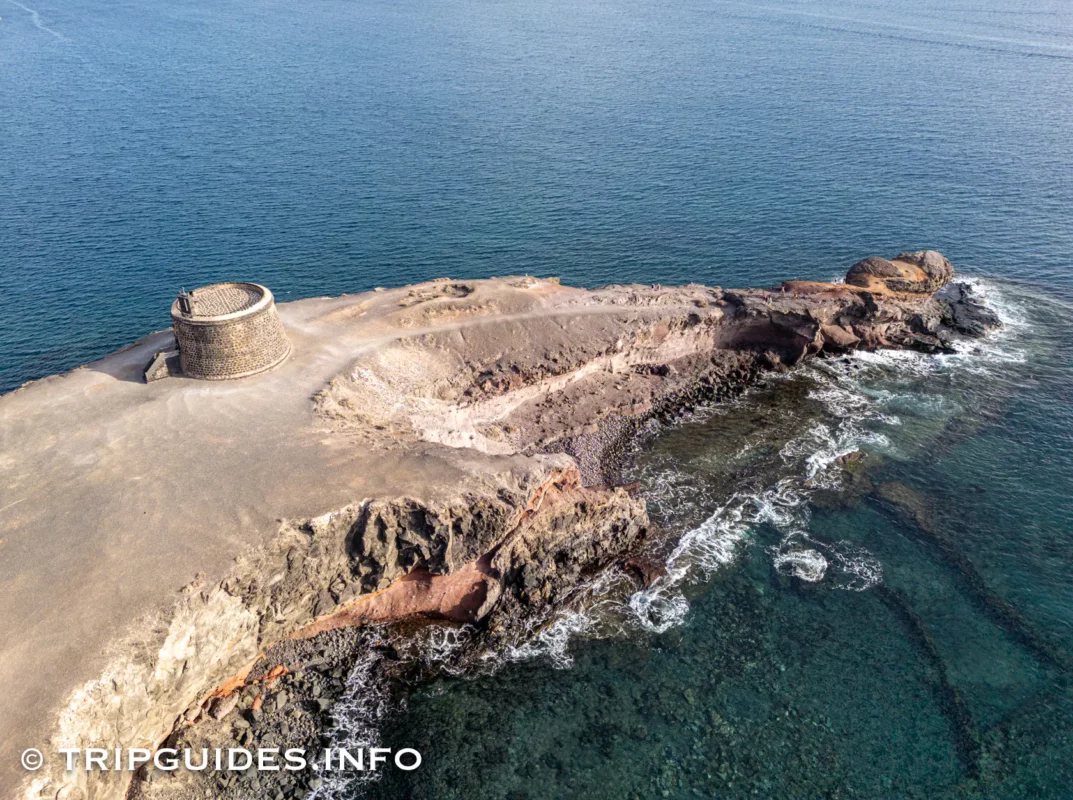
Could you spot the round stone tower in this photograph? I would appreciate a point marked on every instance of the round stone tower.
(228, 330)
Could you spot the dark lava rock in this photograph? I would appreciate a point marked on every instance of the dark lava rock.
(970, 316)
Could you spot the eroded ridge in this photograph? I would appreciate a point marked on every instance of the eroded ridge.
(520, 383)
(465, 436)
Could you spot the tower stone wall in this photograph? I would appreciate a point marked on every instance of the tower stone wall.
(231, 330)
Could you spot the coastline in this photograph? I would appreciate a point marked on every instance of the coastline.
(593, 357)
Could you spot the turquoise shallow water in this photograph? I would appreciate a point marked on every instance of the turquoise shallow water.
(901, 629)
(812, 638)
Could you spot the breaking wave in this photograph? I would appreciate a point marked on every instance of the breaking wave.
(858, 403)
(357, 719)
(358, 716)
(552, 641)
(854, 404)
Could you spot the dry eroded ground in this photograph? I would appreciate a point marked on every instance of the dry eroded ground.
(116, 494)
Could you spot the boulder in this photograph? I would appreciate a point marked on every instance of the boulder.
(839, 337)
(920, 272)
(864, 271)
(968, 314)
(937, 269)
(223, 706)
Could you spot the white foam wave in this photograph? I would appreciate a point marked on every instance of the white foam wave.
(552, 641)
(845, 566)
(700, 553)
(859, 394)
(1003, 345)
(1011, 312)
(808, 565)
(657, 610)
(356, 723)
(782, 505)
(439, 644)
(666, 490)
(711, 547)
(822, 445)
(858, 570)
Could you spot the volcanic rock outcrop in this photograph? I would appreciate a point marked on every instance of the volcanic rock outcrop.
(601, 359)
(925, 271)
(457, 462)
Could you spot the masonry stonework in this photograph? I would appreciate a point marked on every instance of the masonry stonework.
(228, 330)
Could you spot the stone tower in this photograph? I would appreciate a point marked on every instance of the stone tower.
(228, 330)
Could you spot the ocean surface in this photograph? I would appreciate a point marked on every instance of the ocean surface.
(870, 561)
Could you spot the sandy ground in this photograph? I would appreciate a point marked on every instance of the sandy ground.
(114, 494)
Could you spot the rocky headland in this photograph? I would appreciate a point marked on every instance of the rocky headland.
(444, 453)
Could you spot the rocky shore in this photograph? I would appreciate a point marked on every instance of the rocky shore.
(513, 401)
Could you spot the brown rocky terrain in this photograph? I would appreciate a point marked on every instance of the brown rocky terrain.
(446, 451)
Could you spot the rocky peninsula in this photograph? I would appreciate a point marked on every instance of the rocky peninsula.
(201, 564)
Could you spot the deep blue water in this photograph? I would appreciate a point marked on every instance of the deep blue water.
(328, 146)
(332, 146)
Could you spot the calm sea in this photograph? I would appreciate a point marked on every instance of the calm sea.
(812, 637)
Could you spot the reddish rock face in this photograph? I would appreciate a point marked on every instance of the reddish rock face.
(457, 597)
(493, 415)
(921, 272)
